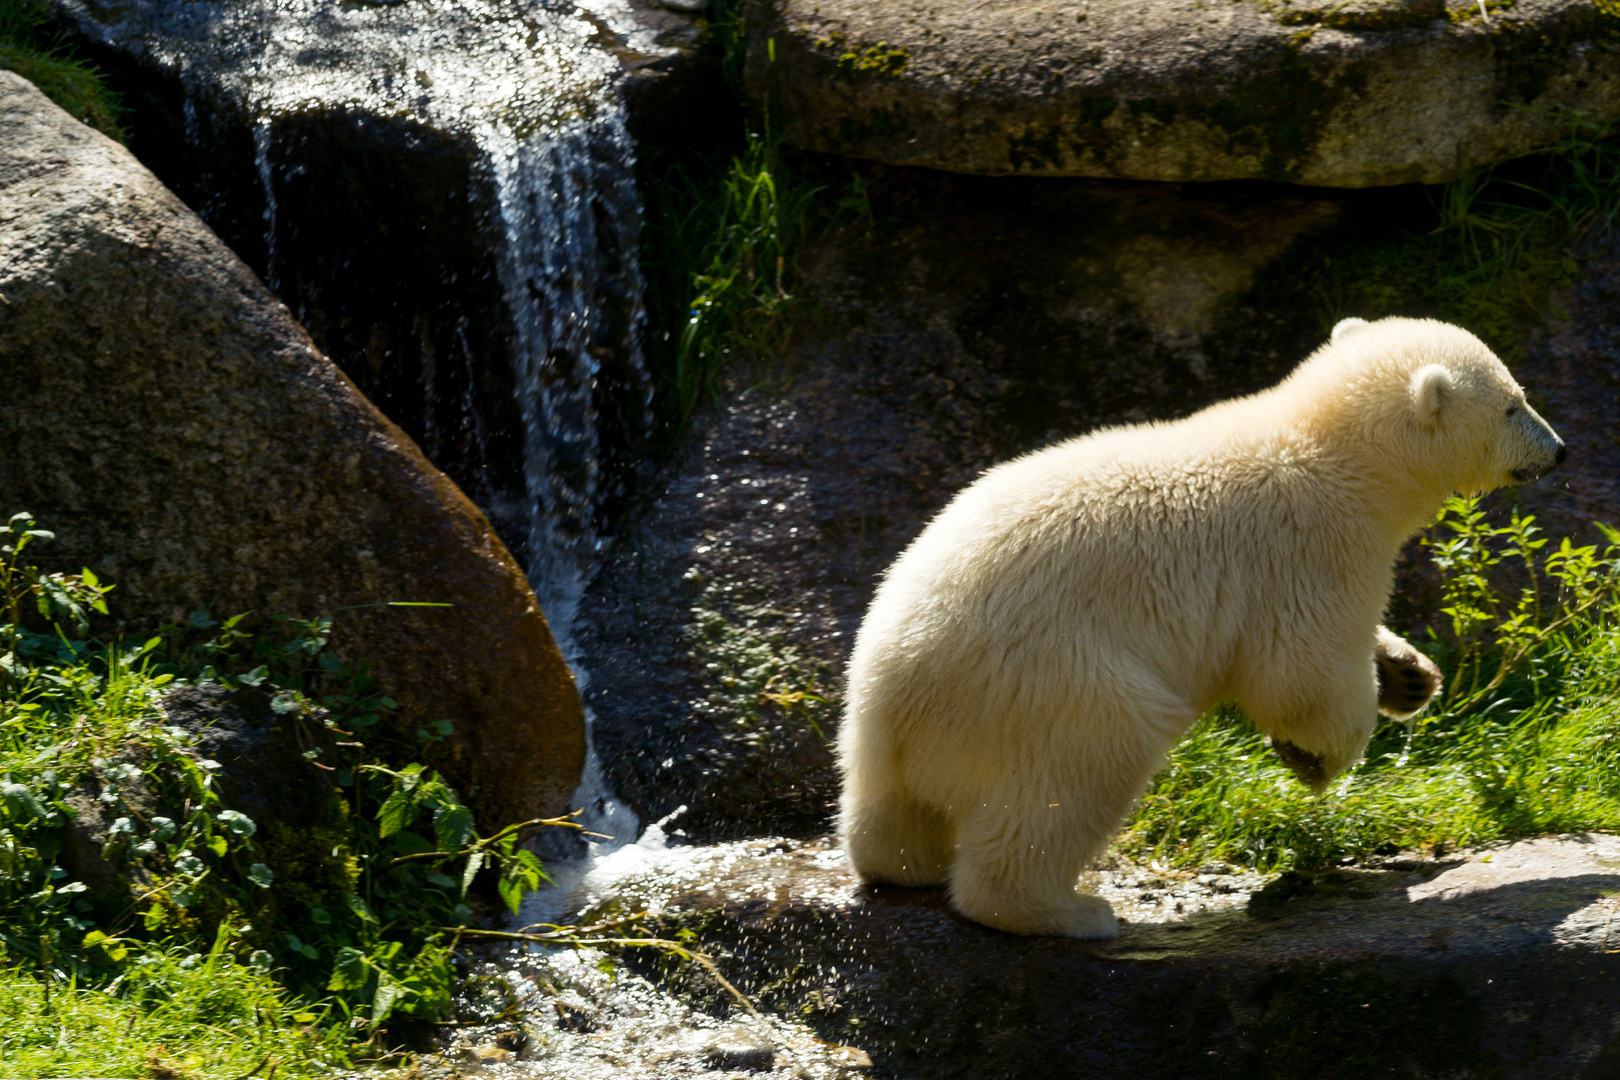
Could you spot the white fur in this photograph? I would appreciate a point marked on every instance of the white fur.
(1029, 660)
(1345, 326)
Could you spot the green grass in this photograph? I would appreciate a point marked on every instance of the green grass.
(725, 224)
(1494, 250)
(1525, 739)
(30, 48)
(173, 1014)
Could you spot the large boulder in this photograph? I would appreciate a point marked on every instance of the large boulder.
(1497, 963)
(165, 414)
(1306, 91)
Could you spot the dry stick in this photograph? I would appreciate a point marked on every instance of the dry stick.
(705, 962)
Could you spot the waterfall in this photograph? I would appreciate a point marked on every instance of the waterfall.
(565, 197)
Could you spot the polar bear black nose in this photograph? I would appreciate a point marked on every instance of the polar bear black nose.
(1563, 452)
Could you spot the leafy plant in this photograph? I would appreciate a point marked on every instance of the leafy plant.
(353, 917)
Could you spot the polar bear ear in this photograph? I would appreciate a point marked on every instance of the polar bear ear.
(1346, 326)
(1430, 387)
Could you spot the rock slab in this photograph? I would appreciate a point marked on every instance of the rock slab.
(167, 417)
(1496, 963)
(1356, 94)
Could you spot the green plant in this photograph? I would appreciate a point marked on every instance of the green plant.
(354, 917)
(724, 225)
(43, 56)
(1525, 740)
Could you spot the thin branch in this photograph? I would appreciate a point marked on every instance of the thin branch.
(664, 944)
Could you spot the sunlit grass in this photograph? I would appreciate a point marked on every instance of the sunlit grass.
(173, 1014)
(38, 54)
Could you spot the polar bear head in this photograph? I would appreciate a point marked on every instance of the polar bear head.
(1433, 401)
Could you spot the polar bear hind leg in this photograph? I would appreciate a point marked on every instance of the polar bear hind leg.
(890, 836)
(1020, 853)
(1017, 867)
(896, 840)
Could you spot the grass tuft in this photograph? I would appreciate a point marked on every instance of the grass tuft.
(43, 56)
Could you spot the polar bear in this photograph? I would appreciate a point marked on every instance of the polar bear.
(1029, 660)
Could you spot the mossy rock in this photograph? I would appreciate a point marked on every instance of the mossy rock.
(1346, 94)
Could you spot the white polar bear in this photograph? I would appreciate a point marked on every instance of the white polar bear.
(1030, 659)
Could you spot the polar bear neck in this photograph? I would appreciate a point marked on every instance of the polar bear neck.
(1288, 436)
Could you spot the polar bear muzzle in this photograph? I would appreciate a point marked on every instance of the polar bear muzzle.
(1544, 450)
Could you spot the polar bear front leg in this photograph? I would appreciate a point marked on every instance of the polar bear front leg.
(1320, 737)
(1407, 680)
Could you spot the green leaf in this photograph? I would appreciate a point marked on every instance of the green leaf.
(383, 1001)
(350, 971)
(511, 894)
(217, 845)
(239, 824)
(359, 908)
(260, 875)
(475, 862)
(397, 812)
(22, 802)
(453, 824)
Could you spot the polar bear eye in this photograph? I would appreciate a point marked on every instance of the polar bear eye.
(1512, 410)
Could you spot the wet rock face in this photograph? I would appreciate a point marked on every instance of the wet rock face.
(443, 197)
(165, 415)
(980, 320)
(1493, 964)
(1342, 94)
(1574, 371)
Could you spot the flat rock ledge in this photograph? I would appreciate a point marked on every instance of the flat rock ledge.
(1342, 93)
(1498, 962)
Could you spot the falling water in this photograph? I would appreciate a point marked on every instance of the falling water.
(559, 192)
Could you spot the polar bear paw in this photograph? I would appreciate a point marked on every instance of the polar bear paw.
(1407, 680)
(1078, 915)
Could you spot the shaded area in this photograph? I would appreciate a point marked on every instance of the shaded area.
(1364, 976)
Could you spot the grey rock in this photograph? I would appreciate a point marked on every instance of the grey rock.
(169, 419)
(105, 870)
(264, 773)
(1306, 91)
(739, 1048)
(1496, 963)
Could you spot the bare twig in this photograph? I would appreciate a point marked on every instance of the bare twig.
(662, 944)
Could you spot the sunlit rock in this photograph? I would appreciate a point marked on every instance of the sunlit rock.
(1342, 94)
